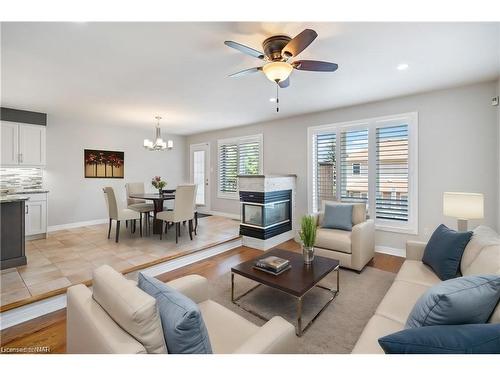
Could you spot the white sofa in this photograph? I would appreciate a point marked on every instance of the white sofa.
(91, 329)
(481, 256)
(353, 249)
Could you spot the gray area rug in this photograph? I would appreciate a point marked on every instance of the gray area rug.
(337, 329)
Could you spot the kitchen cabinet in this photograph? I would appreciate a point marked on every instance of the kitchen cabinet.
(12, 242)
(36, 215)
(23, 144)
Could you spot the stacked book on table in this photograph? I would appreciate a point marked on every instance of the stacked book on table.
(272, 265)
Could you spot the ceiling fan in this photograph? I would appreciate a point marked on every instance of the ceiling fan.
(279, 51)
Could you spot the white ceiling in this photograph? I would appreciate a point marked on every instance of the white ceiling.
(126, 73)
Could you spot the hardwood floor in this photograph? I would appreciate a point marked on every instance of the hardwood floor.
(49, 331)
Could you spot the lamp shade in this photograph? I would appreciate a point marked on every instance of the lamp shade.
(463, 205)
(277, 71)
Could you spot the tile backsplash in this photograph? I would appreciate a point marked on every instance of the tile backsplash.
(21, 178)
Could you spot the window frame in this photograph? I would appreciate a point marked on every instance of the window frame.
(411, 119)
(237, 141)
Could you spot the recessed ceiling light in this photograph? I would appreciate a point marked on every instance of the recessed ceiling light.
(402, 66)
(272, 99)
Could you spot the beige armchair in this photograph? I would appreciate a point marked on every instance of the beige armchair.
(354, 249)
(103, 321)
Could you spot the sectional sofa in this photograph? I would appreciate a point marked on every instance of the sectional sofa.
(481, 256)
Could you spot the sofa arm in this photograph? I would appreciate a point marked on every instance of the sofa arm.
(362, 244)
(415, 250)
(194, 287)
(277, 336)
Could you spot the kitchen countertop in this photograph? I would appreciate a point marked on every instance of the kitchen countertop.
(13, 198)
(29, 191)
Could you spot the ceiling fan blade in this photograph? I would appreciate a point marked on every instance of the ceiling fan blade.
(245, 49)
(315, 66)
(245, 72)
(284, 83)
(299, 43)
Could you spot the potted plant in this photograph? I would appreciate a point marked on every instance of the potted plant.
(159, 184)
(308, 237)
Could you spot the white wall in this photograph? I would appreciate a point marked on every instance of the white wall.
(72, 197)
(498, 119)
(457, 150)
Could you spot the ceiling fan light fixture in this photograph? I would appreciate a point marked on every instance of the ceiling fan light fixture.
(277, 71)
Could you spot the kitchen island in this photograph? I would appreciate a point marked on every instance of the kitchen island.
(12, 223)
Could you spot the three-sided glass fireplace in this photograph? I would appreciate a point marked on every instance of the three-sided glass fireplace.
(265, 215)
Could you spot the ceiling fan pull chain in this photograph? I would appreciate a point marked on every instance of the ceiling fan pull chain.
(277, 97)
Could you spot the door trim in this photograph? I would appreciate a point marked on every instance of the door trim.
(208, 196)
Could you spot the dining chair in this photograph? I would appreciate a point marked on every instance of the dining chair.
(183, 210)
(117, 213)
(138, 205)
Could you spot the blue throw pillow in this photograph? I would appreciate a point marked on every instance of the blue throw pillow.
(338, 216)
(457, 339)
(464, 300)
(183, 326)
(444, 251)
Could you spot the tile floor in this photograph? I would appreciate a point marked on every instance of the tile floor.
(67, 257)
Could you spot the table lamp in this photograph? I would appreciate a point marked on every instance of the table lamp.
(463, 206)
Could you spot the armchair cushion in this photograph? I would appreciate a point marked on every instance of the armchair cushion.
(183, 326)
(334, 239)
(131, 308)
(338, 217)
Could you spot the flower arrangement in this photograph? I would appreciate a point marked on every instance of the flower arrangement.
(158, 183)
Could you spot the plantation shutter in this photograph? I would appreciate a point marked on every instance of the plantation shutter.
(249, 157)
(228, 168)
(392, 173)
(354, 151)
(325, 168)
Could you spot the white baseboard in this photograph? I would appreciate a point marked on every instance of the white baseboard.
(225, 214)
(53, 228)
(391, 251)
(269, 243)
(24, 313)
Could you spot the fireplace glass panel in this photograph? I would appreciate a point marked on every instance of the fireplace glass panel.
(266, 215)
(252, 214)
(276, 213)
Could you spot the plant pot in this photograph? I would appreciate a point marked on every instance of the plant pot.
(160, 191)
(308, 253)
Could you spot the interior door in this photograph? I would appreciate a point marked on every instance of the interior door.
(200, 174)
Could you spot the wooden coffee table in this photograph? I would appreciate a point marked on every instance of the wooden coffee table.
(296, 281)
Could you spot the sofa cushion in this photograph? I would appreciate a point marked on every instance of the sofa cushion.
(378, 326)
(452, 339)
(400, 299)
(464, 300)
(416, 272)
(482, 237)
(358, 211)
(334, 239)
(132, 309)
(444, 251)
(227, 330)
(183, 326)
(338, 217)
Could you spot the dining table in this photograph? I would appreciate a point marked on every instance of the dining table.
(157, 200)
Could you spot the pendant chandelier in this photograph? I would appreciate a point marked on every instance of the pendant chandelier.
(159, 144)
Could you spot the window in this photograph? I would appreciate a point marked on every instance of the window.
(237, 156)
(377, 164)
